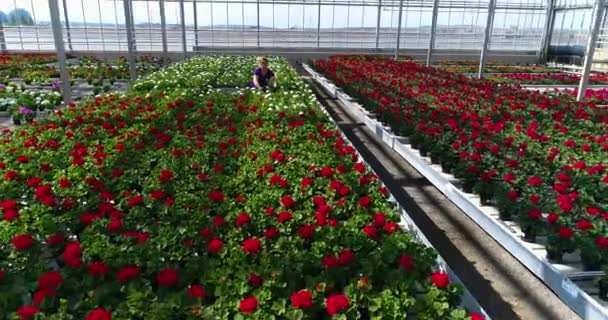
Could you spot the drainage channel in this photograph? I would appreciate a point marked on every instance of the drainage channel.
(502, 286)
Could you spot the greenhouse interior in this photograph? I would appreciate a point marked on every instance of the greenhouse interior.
(303, 159)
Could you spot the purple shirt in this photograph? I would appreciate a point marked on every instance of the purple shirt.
(262, 79)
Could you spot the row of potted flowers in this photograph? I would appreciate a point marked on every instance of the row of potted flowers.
(546, 78)
(541, 160)
(189, 202)
(8, 60)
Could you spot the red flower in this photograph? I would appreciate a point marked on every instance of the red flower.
(513, 195)
(406, 262)
(165, 176)
(391, 227)
(218, 221)
(440, 279)
(284, 217)
(99, 314)
(535, 181)
(509, 177)
(252, 246)
(601, 242)
(97, 268)
(345, 257)
(370, 231)
(359, 167)
(27, 312)
(196, 291)
(288, 201)
(330, 261)
(38, 297)
(127, 273)
(248, 305)
(11, 175)
(255, 279)
(72, 253)
(584, 225)
(306, 231)
(206, 233)
(158, 194)
(534, 214)
(11, 214)
(215, 245)
(365, 202)
(552, 218)
(336, 303)
(51, 280)
(115, 225)
(23, 242)
(301, 299)
(344, 191)
(476, 316)
(307, 181)
(271, 233)
(565, 232)
(136, 200)
(167, 277)
(321, 219)
(327, 172)
(1, 275)
(594, 211)
(379, 219)
(216, 196)
(242, 219)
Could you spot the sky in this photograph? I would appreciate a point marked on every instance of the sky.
(284, 16)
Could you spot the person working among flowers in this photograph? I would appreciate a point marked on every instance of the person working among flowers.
(262, 76)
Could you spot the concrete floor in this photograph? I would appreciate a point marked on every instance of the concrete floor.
(503, 286)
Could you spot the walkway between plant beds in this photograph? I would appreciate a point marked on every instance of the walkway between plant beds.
(502, 285)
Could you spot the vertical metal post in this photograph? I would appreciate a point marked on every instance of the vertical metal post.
(319, 25)
(2, 39)
(378, 23)
(399, 29)
(163, 30)
(67, 25)
(59, 47)
(545, 43)
(486, 37)
(258, 16)
(591, 43)
(130, 40)
(183, 18)
(195, 23)
(429, 54)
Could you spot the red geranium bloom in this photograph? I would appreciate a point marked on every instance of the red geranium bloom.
(115, 225)
(165, 176)
(301, 299)
(252, 246)
(158, 194)
(584, 225)
(601, 242)
(51, 280)
(365, 202)
(27, 312)
(440, 279)
(535, 181)
(97, 268)
(72, 253)
(284, 217)
(99, 314)
(23, 242)
(565, 232)
(218, 221)
(288, 201)
(216, 196)
(206, 233)
(38, 297)
(391, 227)
(306, 231)
(406, 262)
(11, 214)
(476, 316)
(271, 233)
(136, 200)
(248, 305)
(379, 219)
(242, 219)
(336, 303)
(127, 273)
(196, 291)
(215, 245)
(552, 218)
(346, 257)
(167, 277)
(327, 172)
(255, 279)
(370, 231)
(330, 261)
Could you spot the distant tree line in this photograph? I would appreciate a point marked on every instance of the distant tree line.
(17, 17)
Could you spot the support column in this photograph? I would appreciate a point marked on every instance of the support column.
(399, 29)
(378, 23)
(196, 23)
(258, 16)
(429, 54)
(2, 38)
(59, 47)
(486, 37)
(318, 25)
(130, 40)
(183, 18)
(545, 43)
(591, 43)
(67, 25)
(163, 30)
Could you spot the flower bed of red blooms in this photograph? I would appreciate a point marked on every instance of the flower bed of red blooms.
(547, 78)
(13, 59)
(540, 159)
(599, 96)
(203, 205)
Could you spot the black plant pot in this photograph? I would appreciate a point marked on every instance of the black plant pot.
(16, 121)
(555, 255)
(467, 186)
(435, 159)
(505, 215)
(423, 151)
(529, 234)
(486, 198)
(591, 263)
